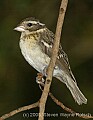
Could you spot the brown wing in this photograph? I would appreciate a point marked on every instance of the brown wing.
(46, 43)
(62, 56)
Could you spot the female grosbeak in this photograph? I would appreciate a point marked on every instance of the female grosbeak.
(36, 44)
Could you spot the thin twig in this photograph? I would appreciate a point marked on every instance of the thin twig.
(21, 109)
(61, 104)
(34, 105)
(74, 113)
(68, 109)
(53, 58)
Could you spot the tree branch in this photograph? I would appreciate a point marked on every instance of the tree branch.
(34, 105)
(68, 109)
(21, 109)
(53, 58)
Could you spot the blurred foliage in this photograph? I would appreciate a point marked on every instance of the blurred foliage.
(17, 77)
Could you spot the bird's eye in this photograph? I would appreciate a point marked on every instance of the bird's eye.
(29, 24)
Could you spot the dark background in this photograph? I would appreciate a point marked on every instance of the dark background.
(17, 77)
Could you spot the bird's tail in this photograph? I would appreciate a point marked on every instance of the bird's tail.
(75, 91)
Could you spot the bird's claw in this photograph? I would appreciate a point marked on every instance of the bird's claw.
(39, 78)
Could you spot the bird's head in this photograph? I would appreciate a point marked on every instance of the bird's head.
(29, 25)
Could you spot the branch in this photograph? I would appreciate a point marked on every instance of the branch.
(34, 105)
(53, 59)
(21, 109)
(37, 105)
(68, 109)
(60, 104)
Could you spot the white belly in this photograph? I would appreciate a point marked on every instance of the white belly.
(34, 55)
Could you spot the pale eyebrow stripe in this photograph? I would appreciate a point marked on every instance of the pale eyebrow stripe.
(34, 22)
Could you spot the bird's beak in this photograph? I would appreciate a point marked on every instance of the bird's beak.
(20, 28)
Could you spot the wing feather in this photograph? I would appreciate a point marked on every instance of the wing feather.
(46, 42)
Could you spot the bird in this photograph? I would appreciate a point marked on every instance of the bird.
(36, 44)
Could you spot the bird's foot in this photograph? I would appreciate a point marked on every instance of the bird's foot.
(39, 78)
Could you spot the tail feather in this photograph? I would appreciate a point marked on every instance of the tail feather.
(75, 91)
